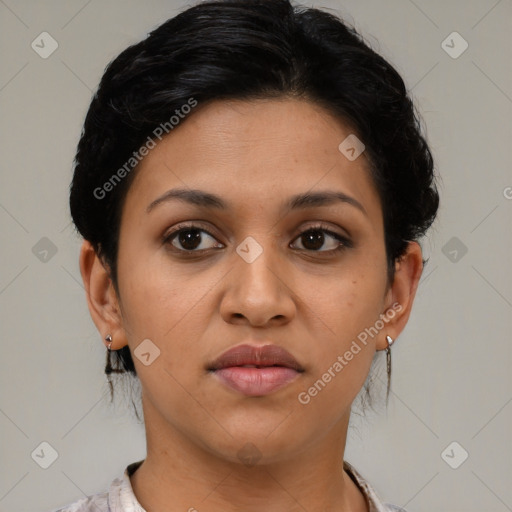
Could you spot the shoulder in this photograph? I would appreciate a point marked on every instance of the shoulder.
(374, 501)
(95, 503)
(118, 498)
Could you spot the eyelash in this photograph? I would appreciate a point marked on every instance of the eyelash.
(345, 243)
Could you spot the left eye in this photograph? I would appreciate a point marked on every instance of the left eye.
(314, 238)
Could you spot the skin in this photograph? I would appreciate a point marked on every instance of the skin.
(255, 155)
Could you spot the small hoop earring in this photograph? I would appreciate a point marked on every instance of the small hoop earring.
(108, 338)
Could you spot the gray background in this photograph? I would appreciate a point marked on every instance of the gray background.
(452, 378)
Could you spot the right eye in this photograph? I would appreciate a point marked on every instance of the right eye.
(190, 238)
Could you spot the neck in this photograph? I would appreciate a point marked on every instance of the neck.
(180, 471)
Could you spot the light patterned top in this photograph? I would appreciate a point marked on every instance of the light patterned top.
(121, 498)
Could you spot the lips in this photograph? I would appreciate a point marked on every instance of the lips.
(249, 355)
(256, 370)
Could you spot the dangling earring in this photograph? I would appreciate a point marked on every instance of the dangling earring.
(108, 338)
(388, 364)
(388, 354)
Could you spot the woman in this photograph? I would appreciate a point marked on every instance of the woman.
(251, 184)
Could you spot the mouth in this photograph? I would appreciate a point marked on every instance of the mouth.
(256, 371)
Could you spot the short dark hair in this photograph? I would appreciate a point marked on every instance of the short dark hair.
(251, 49)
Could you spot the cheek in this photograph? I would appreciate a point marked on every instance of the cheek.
(349, 309)
(172, 309)
(349, 304)
(157, 296)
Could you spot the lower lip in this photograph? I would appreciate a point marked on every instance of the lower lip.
(256, 381)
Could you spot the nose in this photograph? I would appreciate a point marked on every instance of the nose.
(258, 292)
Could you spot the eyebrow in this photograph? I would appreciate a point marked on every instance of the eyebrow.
(296, 202)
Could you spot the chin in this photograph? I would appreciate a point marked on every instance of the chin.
(257, 445)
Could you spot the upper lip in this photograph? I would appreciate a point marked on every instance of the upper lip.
(245, 354)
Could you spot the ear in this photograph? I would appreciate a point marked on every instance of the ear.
(400, 296)
(101, 297)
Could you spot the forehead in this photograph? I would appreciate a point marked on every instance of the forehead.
(254, 154)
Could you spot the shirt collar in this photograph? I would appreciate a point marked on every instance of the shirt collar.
(121, 497)
(372, 499)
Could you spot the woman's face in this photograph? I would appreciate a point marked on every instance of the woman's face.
(246, 274)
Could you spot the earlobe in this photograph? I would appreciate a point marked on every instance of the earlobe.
(101, 297)
(400, 297)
